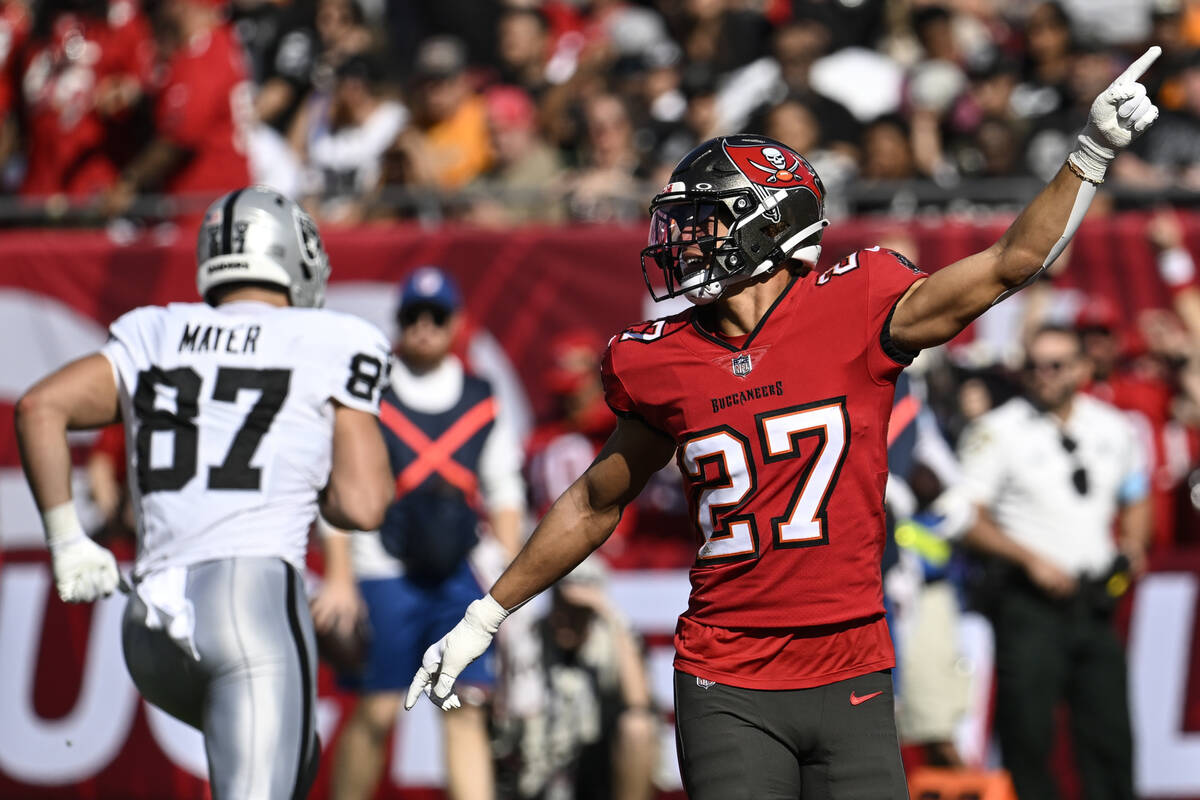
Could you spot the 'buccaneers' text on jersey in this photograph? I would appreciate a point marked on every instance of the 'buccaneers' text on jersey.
(782, 440)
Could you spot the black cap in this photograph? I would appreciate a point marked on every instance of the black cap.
(440, 57)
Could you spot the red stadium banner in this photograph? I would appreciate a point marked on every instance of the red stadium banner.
(71, 724)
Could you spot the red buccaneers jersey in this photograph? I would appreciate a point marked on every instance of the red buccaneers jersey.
(204, 106)
(782, 440)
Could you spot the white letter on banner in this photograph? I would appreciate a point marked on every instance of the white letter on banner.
(1160, 643)
(76, 747)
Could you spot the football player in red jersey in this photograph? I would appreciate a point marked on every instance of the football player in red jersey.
(775, 393)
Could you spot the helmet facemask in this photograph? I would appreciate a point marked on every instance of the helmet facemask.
(690, 244)
(736, 208)
(704, 244)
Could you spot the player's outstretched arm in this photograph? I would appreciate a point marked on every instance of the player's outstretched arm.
(360, 478)
(81, 395)
(936, 309)
(578, 523)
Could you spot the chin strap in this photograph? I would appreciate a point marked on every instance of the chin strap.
(1083, 199)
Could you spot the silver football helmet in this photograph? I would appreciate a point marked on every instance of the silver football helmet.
(256, 235)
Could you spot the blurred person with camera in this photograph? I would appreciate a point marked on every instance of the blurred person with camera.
(1051, 472)
(455, 461)
(583, 725)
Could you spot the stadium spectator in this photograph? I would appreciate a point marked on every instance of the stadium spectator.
(887, 152)
(202, 112)
(586, 727)
(345, 141)
(1051, 473)
(605, 186)
(523, 47)
(451, 455)
(448, 147)
(700, 121)
(521, 186)
(307, 54)
(15, 23)
(78, 76)
(719, 34)
(1049, 46)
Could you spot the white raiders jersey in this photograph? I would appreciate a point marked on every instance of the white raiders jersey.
(229, 422)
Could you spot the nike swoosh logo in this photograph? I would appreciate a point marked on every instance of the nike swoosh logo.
(855, 700)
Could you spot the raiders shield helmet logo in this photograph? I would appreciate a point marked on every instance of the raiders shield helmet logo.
(310, 243)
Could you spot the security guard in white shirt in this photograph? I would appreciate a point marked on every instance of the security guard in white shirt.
(1050, 473)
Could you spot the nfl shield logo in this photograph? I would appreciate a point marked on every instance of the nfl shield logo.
(742, 365)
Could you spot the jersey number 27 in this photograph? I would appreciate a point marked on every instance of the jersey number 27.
(733, 536)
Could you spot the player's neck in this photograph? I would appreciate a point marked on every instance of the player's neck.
(738, 313)
(255, 294)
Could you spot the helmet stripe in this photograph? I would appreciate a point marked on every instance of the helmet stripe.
(227, 222)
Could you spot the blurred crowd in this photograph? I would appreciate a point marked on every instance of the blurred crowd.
(510, 111)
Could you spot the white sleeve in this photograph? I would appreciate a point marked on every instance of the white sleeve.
(500, 479)
(350, 147)
(983, 467)
(360, 365)
(1135, 471)
(126, 347)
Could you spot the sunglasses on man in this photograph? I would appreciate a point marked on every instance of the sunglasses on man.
(1056, 365)
(410, 315)
(1079, 476)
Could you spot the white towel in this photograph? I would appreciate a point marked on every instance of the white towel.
(164, 593)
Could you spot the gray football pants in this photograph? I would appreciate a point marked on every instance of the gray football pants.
(253, 691)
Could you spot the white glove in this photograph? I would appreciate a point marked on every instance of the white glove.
(449, 656)
(1120, 113)
(83, 570)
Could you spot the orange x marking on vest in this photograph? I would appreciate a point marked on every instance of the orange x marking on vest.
(438, 456)
(903, 413)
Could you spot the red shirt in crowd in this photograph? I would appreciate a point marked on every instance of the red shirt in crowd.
(1147, 404)
(14, 30)
(204, 106)
(782, 441)
(72, 147)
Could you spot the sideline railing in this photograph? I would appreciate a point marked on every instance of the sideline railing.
(900, 199)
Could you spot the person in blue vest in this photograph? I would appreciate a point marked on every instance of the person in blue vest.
(455, 521)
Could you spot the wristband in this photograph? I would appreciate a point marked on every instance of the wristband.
(487, 613)
(1089, 161)
(62, 525)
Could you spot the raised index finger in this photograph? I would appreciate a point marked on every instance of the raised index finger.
(1139, 67)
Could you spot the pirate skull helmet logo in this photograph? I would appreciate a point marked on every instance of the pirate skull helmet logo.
(779, 169)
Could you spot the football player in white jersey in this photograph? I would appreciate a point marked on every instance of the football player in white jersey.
(244, 416)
